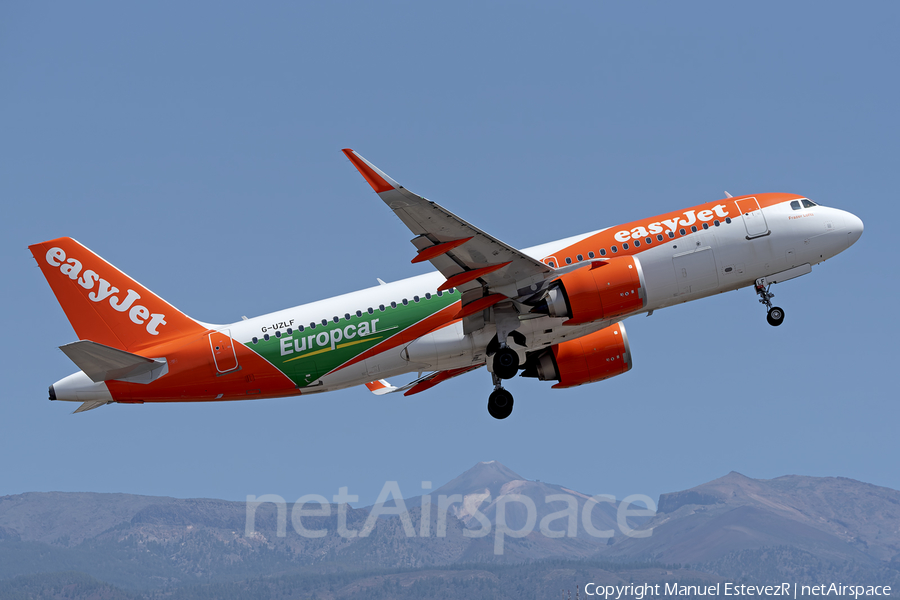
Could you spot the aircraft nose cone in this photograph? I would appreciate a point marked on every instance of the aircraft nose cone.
(854, 229)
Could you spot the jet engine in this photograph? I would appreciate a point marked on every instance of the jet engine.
(605, 290)
(595, 357)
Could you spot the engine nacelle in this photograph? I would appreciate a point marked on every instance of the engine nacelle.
(604, 290)
(595, 357)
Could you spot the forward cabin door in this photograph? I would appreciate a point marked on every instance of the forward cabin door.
(754, 220)
(222, 347)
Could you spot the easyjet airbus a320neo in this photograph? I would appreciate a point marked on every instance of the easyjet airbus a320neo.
(553, 311)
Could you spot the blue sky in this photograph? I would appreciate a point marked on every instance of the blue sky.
(197, 148)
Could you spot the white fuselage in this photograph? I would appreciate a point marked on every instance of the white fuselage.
(708, 262)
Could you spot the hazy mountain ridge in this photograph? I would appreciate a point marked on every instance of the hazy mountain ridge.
(831, 517)
(793, 527)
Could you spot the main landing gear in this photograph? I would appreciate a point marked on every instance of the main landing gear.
(505, 360)
(506, 365)
(775, 315)
(500, 402)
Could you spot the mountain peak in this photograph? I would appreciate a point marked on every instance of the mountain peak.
(490, 475)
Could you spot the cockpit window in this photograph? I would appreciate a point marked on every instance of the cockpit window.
(795, 205)
(808, 203)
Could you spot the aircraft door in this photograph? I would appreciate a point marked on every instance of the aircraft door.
(754, 220)
(222, 347)
(695, 271)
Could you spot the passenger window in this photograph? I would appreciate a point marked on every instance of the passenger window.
(716, 223)
(568, 261)
(312, 325)
(415, 298)
(405, 302)
(552, 264)
(671, 234)
(370, 310)
(347, 316)
(808, 203)
(266, 337)
(637, 243)
(694, 228)
(728, 220)
(393, 305)
(625, 246)
(591, 254)
(650, 240)
(381, 307)
(580, 257)
(325, 322)
(795, 205)
(428, 295)
(277, 334)
(683, 231)
(301, 328)
(255, 340)
(614, 249)
(602, 251)
(659, 237)
(359, 313)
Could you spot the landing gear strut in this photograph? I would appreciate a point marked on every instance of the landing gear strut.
(775, 315)
(506, 360)
(500, 402)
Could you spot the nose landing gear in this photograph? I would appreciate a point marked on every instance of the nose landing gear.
(500, 402)
(775, 316)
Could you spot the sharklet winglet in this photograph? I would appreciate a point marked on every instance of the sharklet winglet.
(379, 181)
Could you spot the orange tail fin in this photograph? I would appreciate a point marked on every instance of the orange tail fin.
(104, 304)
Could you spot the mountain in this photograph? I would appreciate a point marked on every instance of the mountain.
(488, 476)
(828, 520)
(791, 528)
(487, 485)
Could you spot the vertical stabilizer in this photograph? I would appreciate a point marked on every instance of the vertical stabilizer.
(105, 305)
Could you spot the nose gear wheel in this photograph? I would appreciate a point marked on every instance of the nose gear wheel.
(775, 315)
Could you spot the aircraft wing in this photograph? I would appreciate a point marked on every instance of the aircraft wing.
(475, 262)
(382, 387)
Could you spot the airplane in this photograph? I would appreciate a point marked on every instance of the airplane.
(552, 312)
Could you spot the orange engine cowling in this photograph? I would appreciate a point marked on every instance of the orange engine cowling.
(595, 357)
(604, 290)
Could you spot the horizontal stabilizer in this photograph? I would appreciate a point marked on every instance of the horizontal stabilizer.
(102, 363)
(90, 405)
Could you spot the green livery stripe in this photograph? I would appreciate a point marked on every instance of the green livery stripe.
(305, 356)
(338, 347)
